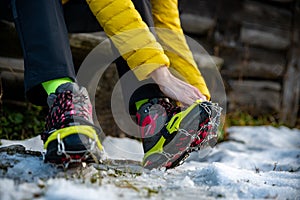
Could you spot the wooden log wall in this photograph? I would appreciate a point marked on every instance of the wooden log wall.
(254, 42)
(259, 42)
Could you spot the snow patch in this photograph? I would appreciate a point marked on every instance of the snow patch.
(257, 162)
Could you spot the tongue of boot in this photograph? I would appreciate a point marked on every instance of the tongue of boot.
(73, 87)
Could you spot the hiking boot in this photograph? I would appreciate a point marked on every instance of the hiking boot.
(168, 131)
(70, 135)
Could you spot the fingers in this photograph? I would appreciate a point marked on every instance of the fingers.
(182, 92)
(192, 94)
(199, 95)
(175, 88)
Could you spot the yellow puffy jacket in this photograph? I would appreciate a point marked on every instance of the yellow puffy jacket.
(143, 52)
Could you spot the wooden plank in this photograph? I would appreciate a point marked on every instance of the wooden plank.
(196, 24)
(12, 86)
(266, 15)
(208, 61)
(254, 69)
(245, 62)
(11, 64)
(197, 16)
(265, 26)
(255, 97)
(267, 38)
(291, 93)
(290, 110)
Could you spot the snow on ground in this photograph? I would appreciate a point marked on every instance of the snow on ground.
(257, 162)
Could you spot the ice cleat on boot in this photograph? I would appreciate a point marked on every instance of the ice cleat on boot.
(70, 135)
(168, 131)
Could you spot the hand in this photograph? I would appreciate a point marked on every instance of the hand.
(175, 88)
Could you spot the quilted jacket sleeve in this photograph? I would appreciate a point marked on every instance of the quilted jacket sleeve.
(123, 24)
(167, 23)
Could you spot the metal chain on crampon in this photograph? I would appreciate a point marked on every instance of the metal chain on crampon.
(69, 159)
(214, 113)
(211, 127)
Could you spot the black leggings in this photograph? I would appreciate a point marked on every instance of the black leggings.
(43, 28)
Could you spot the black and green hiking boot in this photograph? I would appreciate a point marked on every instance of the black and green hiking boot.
(70, 135)
(169, 133)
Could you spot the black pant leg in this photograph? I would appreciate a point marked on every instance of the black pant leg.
(44, 40)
